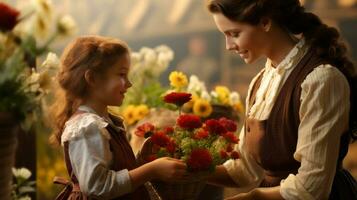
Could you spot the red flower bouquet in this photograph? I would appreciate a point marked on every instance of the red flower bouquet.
(202, 145)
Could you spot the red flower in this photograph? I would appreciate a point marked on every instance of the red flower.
(145, 130)
(234, 155)
(160, 138)
(169, 130)
(200, 159)
(200, 134)
(223, 154)
(231, 137)
(178, 98)
(229, 148)
(214, 127)
(171, 147)
(151, 158)
(8, 17)
(228, 124)
(189, 121)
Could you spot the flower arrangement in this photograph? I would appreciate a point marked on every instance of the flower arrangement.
(22, 82)
(202, 145)
(202, 102)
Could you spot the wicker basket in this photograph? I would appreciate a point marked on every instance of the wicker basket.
(178, 190)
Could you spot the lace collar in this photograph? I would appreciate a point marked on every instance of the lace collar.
(295, 54)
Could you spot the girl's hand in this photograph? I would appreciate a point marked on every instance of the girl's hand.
(168, 169)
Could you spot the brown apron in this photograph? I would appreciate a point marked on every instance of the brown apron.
(272, 142)
(123, 158)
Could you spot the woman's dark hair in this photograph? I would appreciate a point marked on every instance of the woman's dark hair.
(291, 16)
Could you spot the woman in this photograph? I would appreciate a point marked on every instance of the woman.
(300, 107)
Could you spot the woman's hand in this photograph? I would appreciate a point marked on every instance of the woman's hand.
(168, 169)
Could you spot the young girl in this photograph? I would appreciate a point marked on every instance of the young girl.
(99, 159)
(300, 108)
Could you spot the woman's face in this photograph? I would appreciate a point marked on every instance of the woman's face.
(247, 40)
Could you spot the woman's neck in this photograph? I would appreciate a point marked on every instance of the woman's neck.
(280, 47)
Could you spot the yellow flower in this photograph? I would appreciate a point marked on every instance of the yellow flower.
(223, 94)
(178, 79)
(129, 115)
(202, 108)
(239, 107)
(141, 111)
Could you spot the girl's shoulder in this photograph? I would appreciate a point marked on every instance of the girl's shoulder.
(83, 123)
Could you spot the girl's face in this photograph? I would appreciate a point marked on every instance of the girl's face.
(244, 39)
(110, 88)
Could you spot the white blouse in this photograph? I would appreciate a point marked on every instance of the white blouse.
(324, 114)
(91, 157)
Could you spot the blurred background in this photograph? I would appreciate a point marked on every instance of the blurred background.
(186, 27)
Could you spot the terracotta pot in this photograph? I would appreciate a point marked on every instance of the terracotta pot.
(8, 141)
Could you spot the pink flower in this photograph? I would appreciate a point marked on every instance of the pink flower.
(145, 130)
(8, 17)
(178, 98)
(214, 127)
(228, 124)
(200, 159)
(189, 121)
(230, 137)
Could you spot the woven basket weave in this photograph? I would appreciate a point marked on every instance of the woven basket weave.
(178, 190)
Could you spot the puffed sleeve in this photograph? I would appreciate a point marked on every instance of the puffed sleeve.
(324, 115)
(91, 157)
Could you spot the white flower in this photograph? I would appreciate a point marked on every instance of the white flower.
(163, 48)
(135, 58)
(21, 173)
(43, 7)
(206, 96)
(42, 18)
(234, 98)
(51, 62)
(195, 85)
(214, 94)
(150, 57)
(166, 52)
(66, 25)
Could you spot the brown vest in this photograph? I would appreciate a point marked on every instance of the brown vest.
(123, 158)
(272, 142)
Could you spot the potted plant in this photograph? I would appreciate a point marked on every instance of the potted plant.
(23, 84)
